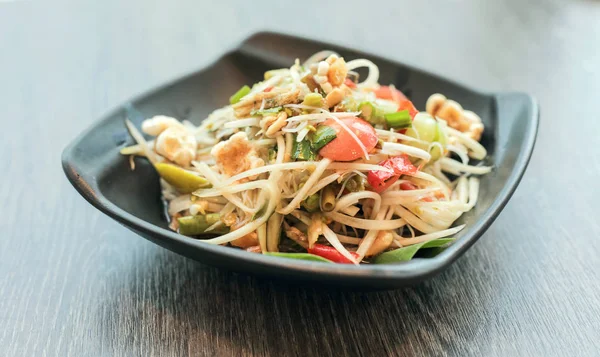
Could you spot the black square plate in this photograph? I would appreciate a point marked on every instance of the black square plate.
(103, 177)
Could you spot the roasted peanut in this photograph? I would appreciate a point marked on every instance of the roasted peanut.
(382, 242)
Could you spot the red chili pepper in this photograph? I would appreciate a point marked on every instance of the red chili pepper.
(381, 180)
(330, 253)
(268, 89)
(348, 82)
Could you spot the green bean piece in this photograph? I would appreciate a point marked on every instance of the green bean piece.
(183, 180)
(327, 199)
(239, 95)
(311, 203)
(398, 120)
(196, 225)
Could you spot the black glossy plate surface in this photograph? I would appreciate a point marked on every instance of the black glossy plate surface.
(102, 176)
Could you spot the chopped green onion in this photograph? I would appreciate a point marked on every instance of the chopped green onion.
(398, 120)
(367, 110)
(239, 94)
(322, 137)
(273, 110)
(371, 112)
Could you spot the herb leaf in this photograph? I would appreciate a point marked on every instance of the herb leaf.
(300, 256)
(407, 253)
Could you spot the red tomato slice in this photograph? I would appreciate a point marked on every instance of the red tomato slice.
(380, 186)
(389, 93)
(382, 180)
(408, 105)
(344, 147)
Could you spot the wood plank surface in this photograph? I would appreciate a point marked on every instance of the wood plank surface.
(73, 282)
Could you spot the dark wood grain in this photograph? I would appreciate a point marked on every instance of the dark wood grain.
(74, 282)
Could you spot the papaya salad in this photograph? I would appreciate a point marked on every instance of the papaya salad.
(314, 163)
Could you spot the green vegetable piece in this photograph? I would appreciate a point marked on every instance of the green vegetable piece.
(260, 212)
(322, 137)
(350, 104)
(407, 253)
(355, 184)
(300, 256)
(311, 203)
(196, 225)
(239, 94)
(398, 120)
(327, 202)
(367, 110)
(273, 110)
(313, 100)
(441, 138)
(303, 151)
(426, 128)
(183, 180)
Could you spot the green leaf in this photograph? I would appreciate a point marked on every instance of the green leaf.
(407, 253)
(300, 256)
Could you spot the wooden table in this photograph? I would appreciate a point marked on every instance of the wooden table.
(74, 282)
